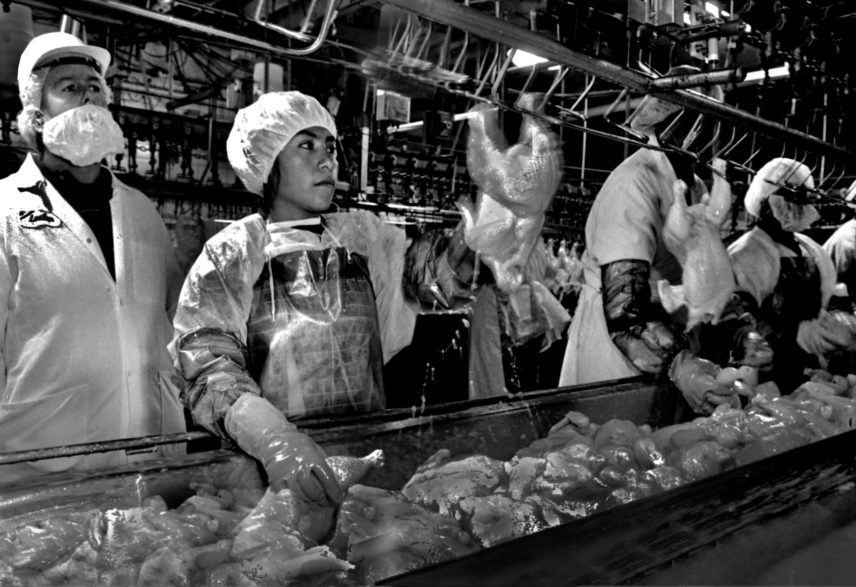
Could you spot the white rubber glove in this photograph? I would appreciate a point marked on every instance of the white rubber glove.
(291, 459)
(697, 380)
(827, 332)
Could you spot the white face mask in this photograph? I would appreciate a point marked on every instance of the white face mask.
(84, 135)
(793, 217)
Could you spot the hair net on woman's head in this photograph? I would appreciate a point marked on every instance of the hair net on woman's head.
(263, 128)
(779, 171)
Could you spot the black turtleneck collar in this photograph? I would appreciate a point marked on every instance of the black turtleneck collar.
(92, 202)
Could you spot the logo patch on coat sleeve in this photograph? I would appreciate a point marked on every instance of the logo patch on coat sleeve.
(36, 219)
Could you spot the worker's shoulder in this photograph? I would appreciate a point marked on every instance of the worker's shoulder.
(238, 239)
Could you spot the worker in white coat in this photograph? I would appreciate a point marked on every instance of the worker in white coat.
(785, 282)
(87, 273)
(292, 312)
(841, 246)
(618, 329)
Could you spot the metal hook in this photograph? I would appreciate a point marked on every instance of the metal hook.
(607, 116)
(717, 152)
(716, 133)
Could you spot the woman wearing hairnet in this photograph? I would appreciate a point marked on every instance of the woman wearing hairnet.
(293, 312)
(784, 280)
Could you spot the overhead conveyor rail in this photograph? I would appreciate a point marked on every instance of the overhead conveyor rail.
(484, 25)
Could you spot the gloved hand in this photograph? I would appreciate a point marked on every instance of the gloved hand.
(756, 351)
(696, 378)
(648, 343)
(826, 333)
(291, 459)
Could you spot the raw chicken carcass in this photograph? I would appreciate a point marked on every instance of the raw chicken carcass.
(386, 534)
(440, 482)
(691, 233)
(515, 185)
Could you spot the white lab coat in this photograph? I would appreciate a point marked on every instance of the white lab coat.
(82, 354)
(841, 247)
(625, 222)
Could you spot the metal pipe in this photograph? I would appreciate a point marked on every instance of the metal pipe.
(99, 447)
(488, 27)
(694, 80)
(95, 9)
(326, 23)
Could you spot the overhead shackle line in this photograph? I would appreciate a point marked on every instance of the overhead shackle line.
(685, 81)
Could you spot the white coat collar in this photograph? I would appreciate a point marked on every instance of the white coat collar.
(29, 175)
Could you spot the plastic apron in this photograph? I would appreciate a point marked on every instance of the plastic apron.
(591, 356)
(796, 297)
(313, 335)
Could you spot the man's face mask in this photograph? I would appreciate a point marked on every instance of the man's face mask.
(793, 217)
(84, 135)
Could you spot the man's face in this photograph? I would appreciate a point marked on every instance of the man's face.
(307, 173)
(71, 85)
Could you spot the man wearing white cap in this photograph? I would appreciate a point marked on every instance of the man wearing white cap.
(785, 279)
(294, 311)
(87, 271)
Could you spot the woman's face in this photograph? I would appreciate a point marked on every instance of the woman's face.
(307, 169)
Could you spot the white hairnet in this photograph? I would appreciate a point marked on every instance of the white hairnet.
(263, 128)
(777, 171)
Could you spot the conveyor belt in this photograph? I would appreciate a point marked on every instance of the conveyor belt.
(623, 544)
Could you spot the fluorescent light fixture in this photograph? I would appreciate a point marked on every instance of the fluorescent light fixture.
(711, 8)
(775, 73)
(525, 59)
(408, 126)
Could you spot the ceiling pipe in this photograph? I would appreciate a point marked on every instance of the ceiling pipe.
(96, 9)
(488, 27)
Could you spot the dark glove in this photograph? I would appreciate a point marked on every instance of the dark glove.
(735, 340)
(291, 459)
(637, 328)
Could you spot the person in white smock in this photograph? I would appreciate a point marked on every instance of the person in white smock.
(291, 313)
(87, 271)
(841, 246)
(785, 284)
(618, 330)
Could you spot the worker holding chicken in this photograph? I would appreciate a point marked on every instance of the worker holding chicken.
(293, 312)
(619, 328)
(785, 281)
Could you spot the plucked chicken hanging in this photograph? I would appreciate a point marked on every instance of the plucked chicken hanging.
(515, 186)
(691, 233)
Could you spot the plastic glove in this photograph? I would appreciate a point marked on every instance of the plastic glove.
(291, 459)
(516, 185)
(824, 334)
(696, 378)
